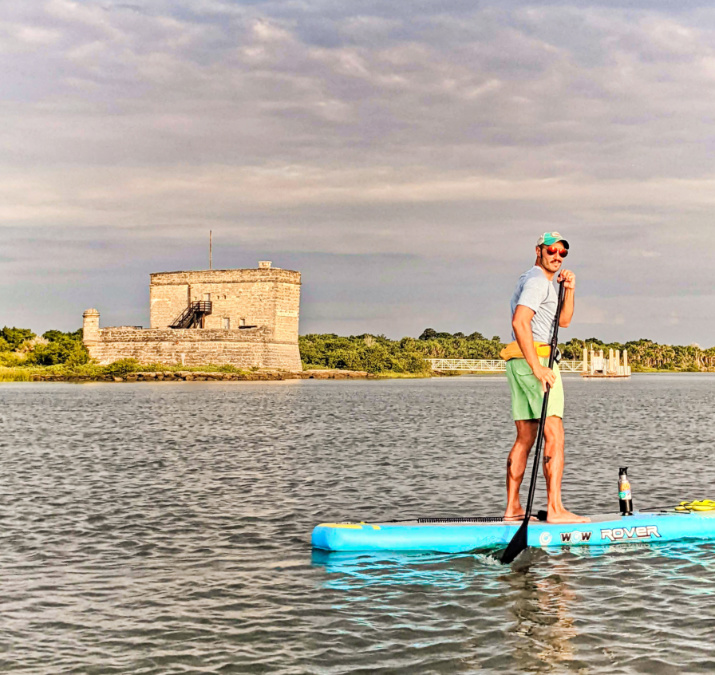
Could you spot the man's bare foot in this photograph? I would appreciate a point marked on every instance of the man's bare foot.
(564, 516)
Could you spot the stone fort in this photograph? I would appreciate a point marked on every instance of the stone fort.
(242, 317)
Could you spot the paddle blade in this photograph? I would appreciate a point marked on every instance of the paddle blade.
(517, 544)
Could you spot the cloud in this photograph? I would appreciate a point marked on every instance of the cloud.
(592, 312)
(450, 134)
(445, 92)
(647, 254)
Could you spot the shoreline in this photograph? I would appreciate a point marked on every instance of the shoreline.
(260, 375)
(202, 376)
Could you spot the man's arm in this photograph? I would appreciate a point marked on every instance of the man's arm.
(525, 339)
(569, 280)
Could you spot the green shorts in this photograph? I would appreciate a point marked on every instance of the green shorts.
(526, 394)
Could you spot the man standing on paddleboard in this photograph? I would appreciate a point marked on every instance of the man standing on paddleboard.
(533, 309)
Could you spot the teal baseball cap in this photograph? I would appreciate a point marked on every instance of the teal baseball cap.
(549, 238)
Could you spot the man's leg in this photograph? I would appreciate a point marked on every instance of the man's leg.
(554, 471)
(526, 431)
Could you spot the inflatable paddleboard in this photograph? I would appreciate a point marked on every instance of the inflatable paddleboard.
(458, 535)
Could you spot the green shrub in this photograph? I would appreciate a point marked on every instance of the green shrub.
(14, 338)
(10, 359)
(63, 350)
(123, 367)
(58, 335)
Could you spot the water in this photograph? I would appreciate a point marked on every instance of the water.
(164, 528)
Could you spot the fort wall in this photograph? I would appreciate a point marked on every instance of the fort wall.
(193, 347)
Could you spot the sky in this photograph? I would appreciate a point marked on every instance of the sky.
(404, 157)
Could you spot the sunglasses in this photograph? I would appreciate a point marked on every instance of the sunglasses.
(552, 250)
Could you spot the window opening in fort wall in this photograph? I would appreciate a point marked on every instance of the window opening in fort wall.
(192, 314)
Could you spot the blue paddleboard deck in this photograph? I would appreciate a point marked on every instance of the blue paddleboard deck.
(458, 537)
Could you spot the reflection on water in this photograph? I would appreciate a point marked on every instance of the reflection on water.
(157, 528)
(539, 604)
(540, 599)
(353, 570)
(541, 608)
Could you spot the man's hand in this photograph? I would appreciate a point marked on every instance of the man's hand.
(545, 376)
(569, 279)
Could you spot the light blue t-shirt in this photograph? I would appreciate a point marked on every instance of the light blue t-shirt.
(536, 292)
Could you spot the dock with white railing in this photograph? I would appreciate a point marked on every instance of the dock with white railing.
(492, 365)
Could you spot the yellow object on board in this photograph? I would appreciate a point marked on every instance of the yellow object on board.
(513, 351)
(703, 505)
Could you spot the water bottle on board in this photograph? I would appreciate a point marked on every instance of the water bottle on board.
(625, 497)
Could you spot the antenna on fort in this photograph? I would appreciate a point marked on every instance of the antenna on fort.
(211, 250)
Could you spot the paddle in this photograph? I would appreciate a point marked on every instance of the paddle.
(518, 541)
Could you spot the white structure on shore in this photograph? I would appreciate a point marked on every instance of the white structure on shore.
(596, 365)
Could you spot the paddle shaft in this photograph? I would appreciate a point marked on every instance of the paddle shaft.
(518, 541)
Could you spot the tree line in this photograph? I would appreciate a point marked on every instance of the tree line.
(376, 353)
(371, 353)
(646, 355)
